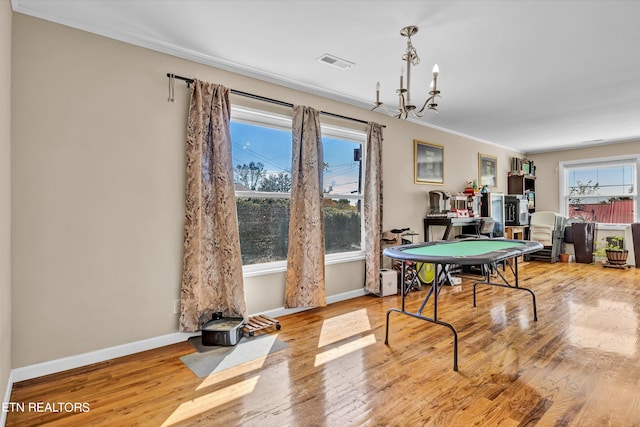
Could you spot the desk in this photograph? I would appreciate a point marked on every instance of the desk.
(448, 223)
(458, 252)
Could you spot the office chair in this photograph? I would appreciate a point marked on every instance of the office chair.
(485, 229)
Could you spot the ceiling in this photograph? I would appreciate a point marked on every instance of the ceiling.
(532, 76)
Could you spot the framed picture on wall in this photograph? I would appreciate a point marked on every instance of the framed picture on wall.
(428, 163)
(487, 171)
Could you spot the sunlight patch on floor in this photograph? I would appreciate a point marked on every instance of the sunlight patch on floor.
(260, 349)
(211, 400)
(499, 314)
(609, 326)
(230, 373)
(344, 349)
(344, 326)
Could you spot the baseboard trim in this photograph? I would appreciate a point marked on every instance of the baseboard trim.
(71, 362)
(7, 398)
(346, 295)
(330, 300)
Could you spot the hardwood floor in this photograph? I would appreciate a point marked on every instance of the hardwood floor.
(578, 365)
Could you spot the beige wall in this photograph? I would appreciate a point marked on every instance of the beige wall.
(5, 196)
(547, 177)
(98, 183)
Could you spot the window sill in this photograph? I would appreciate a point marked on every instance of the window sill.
(343, 257)
(611, 227)
(281, 266)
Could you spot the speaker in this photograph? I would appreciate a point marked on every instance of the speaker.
(388, 282)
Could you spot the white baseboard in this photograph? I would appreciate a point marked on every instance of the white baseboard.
(277, 312)
(7, 398)
(71, 362)
(346, 295)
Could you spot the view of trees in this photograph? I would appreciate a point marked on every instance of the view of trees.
(264, 228)
(254, 177)
(249, 175)
(280, 182)
(262, 162)
(581, 190)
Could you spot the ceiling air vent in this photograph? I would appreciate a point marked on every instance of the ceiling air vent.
(335, 61)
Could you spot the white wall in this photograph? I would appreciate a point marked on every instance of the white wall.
(98, 184)
(5, 197)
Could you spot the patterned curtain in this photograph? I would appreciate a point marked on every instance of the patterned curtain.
(212, 269)
(305, 285)
(373, 208)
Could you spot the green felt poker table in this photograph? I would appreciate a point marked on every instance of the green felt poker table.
(445, 253)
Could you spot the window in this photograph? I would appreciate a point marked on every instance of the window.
(261, 153)
(603, 191)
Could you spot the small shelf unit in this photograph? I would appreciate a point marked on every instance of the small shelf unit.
(523, 184)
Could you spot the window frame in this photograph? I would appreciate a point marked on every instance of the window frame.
(565, 166)
(264, 118)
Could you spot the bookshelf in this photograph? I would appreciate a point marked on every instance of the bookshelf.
(522, 180)
(522, 166)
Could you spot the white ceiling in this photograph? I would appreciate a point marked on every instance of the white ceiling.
(529, 75)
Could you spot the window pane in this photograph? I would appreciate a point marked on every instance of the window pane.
(609, 210)
(601, 181)
(342, 177)
(264, 229)
(342, 161)
(261, 158)
(342, 225)
(261, 155)
(602, 193)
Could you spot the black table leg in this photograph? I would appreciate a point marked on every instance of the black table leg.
(506, 284)
(433, 291)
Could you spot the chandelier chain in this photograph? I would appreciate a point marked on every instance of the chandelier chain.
(411, 53)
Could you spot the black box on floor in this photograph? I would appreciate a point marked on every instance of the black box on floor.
(225, 331)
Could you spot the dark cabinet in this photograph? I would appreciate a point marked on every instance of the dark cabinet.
(523, 184)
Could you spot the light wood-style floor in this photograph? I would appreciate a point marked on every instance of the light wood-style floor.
(578, 365)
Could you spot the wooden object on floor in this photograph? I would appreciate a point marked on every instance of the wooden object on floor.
(514, 231)
(618, 266)
(259, 322)
(578, 365)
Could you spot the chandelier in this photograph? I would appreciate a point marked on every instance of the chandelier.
(404, 94)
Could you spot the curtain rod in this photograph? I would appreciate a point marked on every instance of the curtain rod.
(271, 100)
